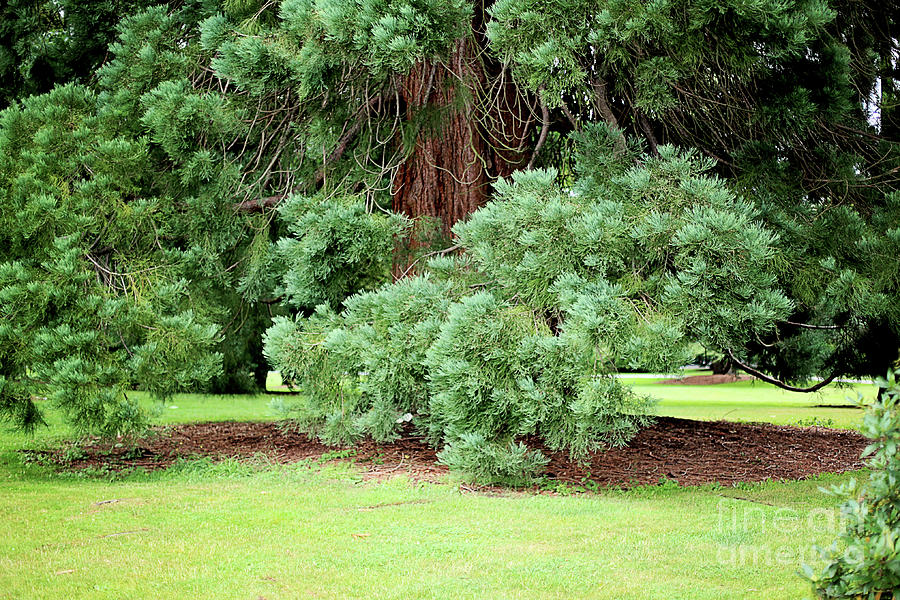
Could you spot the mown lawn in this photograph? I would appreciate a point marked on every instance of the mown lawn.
(242, 531)
(745, 401)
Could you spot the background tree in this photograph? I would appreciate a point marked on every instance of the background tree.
(48, 42)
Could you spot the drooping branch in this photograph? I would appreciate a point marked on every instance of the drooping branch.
(270, 202)
(808, 326)
(777, 382)
(360, 117)
(545, 129)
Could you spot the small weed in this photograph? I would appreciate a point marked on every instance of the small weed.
(563, 488)
(558, 487)
(133, 453)
(665, 483)
(589, 484)
(337, 455)
(72, 454)
(377, 458)
(814, 422)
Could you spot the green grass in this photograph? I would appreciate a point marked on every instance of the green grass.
(232, 530)
(756, 401)
(194, 408)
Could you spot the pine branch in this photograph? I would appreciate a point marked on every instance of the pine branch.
(777, 382)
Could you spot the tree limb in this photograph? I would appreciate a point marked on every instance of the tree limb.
(602, 103)
(777, 382)
(648, 132)
(808, 326)
(545, 128)
(259, 204)
(571, 117)
(436, 252)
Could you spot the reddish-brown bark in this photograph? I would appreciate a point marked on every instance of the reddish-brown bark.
(481, 135)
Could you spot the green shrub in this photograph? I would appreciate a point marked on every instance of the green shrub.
(363, 370)
(510, 463)
(498, 372)
(519, 335)
(336, 249)
(864, 561)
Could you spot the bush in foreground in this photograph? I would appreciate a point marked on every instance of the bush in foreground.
(864, 561)
(519, 334)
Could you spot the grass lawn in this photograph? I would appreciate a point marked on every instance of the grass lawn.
(832, 406)
(231, 530)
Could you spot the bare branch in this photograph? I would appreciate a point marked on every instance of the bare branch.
(436, 252)
(545, 128)
(808, 326)
(777, 382)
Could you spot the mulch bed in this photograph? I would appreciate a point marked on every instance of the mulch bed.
(699, 452)
(706, 379)
(689, 452)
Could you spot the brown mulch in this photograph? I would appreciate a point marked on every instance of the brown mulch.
(690, 452)
(706, 379)
(699, 452)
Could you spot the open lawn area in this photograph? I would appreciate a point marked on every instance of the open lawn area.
(317, 530)
(755, 401)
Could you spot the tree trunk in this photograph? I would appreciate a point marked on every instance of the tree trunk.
(453, 162)
(723, 366)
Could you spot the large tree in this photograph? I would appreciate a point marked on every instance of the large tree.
(233, 161)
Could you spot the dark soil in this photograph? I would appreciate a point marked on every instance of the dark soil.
(689, 452)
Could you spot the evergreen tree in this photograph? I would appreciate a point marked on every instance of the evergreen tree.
(519, 335)
(235, 161)
(48, 42)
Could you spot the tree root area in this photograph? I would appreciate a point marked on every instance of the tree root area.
(689, 452)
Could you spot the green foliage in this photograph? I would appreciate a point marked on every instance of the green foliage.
(363, 371)
(314, 40)
(498, 372)
(49, 42)
(640, 261)
(652, 47)
(111, 257)
(518, 336)
(490, 463)
(337, 248)
(864, 562)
